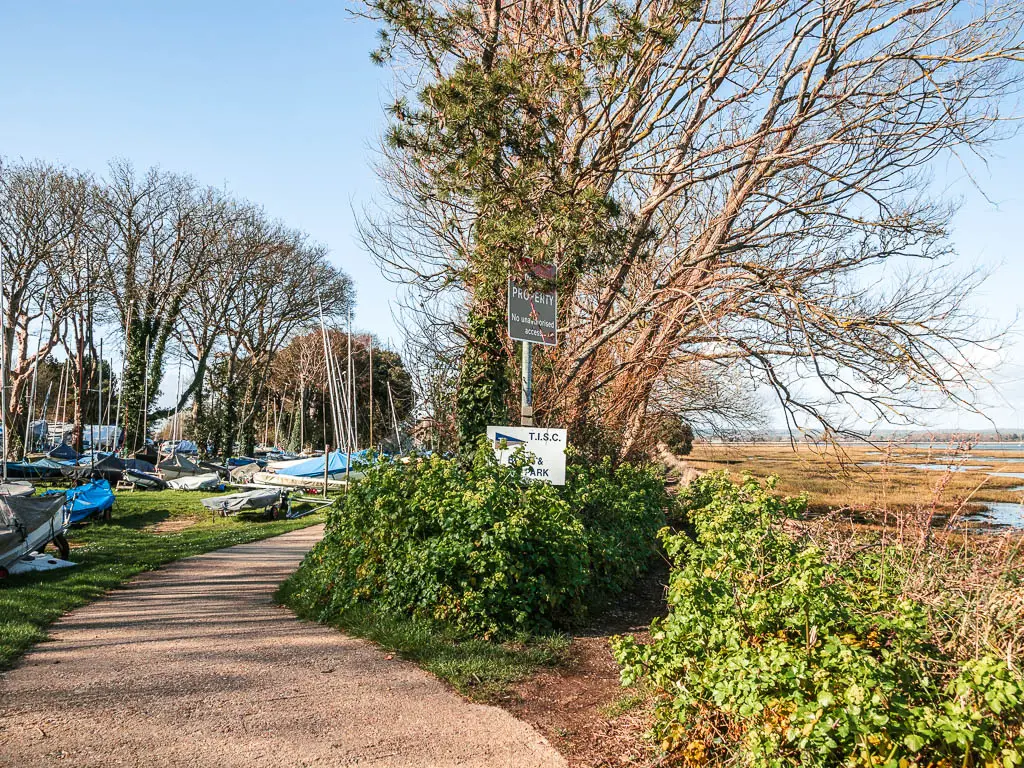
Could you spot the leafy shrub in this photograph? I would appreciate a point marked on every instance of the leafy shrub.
(771, 655)
(479, 548)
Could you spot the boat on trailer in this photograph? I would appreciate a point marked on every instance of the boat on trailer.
(270, 499)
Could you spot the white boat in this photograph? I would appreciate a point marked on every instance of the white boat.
(208, 482)
(294, 481)
(27, 524)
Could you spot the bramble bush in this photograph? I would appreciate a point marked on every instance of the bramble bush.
(772, 655)
(481, 549)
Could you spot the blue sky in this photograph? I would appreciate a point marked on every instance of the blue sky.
(279, 103)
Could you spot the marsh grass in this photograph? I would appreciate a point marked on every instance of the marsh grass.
(838, 479)
(971, 579)
(109, 554)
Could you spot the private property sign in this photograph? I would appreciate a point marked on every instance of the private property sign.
(533, 306)
(546, 445)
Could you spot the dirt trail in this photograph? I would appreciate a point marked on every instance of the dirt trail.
(193, 665)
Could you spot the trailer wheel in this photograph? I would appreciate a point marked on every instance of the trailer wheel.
(63, 548)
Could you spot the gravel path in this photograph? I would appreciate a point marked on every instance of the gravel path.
(193, 665)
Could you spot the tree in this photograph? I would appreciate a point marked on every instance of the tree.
(722, 185)
(41, 216)
(158, 232)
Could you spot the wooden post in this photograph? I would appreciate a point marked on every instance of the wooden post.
(327, 458)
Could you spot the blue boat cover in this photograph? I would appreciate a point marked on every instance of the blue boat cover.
(337, 464)
(93, 498)
(64, 452)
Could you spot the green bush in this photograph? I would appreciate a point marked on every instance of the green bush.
(771, 655)
(479, 548)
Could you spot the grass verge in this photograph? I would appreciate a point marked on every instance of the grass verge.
(109, 554)
(479, 669)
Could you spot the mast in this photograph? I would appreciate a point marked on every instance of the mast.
(351, 405)
(394, 417)
(328, 353)
(277, 425)
(46, 400)
(99, 413)
(177, 398)
(35, 377)
(369, 346)
(124, 362)
(145, 399)
(3, 373)
(60, 408)
(342, 387)
(352, 387)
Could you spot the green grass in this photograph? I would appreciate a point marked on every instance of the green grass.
(109, 554)
(479, 669)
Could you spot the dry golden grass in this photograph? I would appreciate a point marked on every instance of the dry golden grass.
(840, 479)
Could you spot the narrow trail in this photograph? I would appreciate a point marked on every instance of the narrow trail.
(194, 665)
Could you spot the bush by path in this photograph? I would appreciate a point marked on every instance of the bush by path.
(774, 655)
(479, 549)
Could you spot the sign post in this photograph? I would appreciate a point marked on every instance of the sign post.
(545, 446)
(532, 319)
(526, 405)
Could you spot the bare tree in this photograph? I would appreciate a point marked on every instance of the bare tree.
(41, 214)
(159, 232)
(740, 183)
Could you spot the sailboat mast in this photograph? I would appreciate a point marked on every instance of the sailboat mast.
(46, 400)
(352, 387)
(60, 407)
(328, 353)
(3, 373)
(369, 347)
(99, 413)
(177, 398)
(145, 399)
(35, 376)
(394, 418)
(124, 362)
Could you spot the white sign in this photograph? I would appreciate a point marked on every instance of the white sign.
(546, 445)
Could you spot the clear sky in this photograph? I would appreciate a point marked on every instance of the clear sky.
(277, 101)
